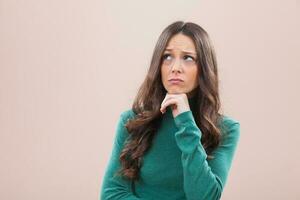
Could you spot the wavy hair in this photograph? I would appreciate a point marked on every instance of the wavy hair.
(151, 93)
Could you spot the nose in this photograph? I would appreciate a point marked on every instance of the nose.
(177, 66)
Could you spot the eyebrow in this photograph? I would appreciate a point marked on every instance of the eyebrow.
(168, 49)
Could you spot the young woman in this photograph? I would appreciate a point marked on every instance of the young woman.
(174, 143)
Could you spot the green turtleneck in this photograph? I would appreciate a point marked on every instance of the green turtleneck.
(176, 165)
(193, 103)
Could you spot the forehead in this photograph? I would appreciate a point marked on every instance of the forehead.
(181, 42)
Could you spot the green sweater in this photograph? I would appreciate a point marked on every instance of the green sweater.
(175, 167)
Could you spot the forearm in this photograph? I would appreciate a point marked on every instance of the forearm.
(200, 183)
(204, 179)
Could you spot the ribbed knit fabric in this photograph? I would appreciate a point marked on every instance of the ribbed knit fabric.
(176, 165)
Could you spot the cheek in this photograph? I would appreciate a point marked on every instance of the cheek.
(192, 74)
(163, 72)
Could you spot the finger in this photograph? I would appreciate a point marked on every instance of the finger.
(163, 102)
(167, 97)
(168, 102)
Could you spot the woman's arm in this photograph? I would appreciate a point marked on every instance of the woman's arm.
(204, 180)
(115, 187)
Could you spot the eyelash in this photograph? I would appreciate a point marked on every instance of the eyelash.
(166, 55)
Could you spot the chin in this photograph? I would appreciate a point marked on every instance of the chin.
(176, 91)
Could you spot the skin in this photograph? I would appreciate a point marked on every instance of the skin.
(177, 63)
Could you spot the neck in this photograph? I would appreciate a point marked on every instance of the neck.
(192, 93)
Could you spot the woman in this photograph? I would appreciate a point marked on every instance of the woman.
(173, 143)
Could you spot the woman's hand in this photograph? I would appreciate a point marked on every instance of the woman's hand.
(179, 103)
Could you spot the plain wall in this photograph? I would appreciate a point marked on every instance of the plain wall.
(69, 68)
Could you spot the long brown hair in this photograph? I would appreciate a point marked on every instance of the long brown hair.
(146, 105)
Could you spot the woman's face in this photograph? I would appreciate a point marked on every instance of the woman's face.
(179, 62)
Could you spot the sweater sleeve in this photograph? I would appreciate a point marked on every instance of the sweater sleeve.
(204, 179)
(116, 187)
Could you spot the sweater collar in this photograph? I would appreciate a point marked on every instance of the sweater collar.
(193, 102)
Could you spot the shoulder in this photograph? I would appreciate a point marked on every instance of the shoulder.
(228, 120)
(127, 114)
(121, 131)
(230, 127)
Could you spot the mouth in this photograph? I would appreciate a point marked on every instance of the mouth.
(175, 81)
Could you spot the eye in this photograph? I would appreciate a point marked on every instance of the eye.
(186, 56)
(165, 56)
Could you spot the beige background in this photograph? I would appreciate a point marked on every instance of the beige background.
(69, 68)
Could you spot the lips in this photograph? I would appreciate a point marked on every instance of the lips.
(175, 79)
